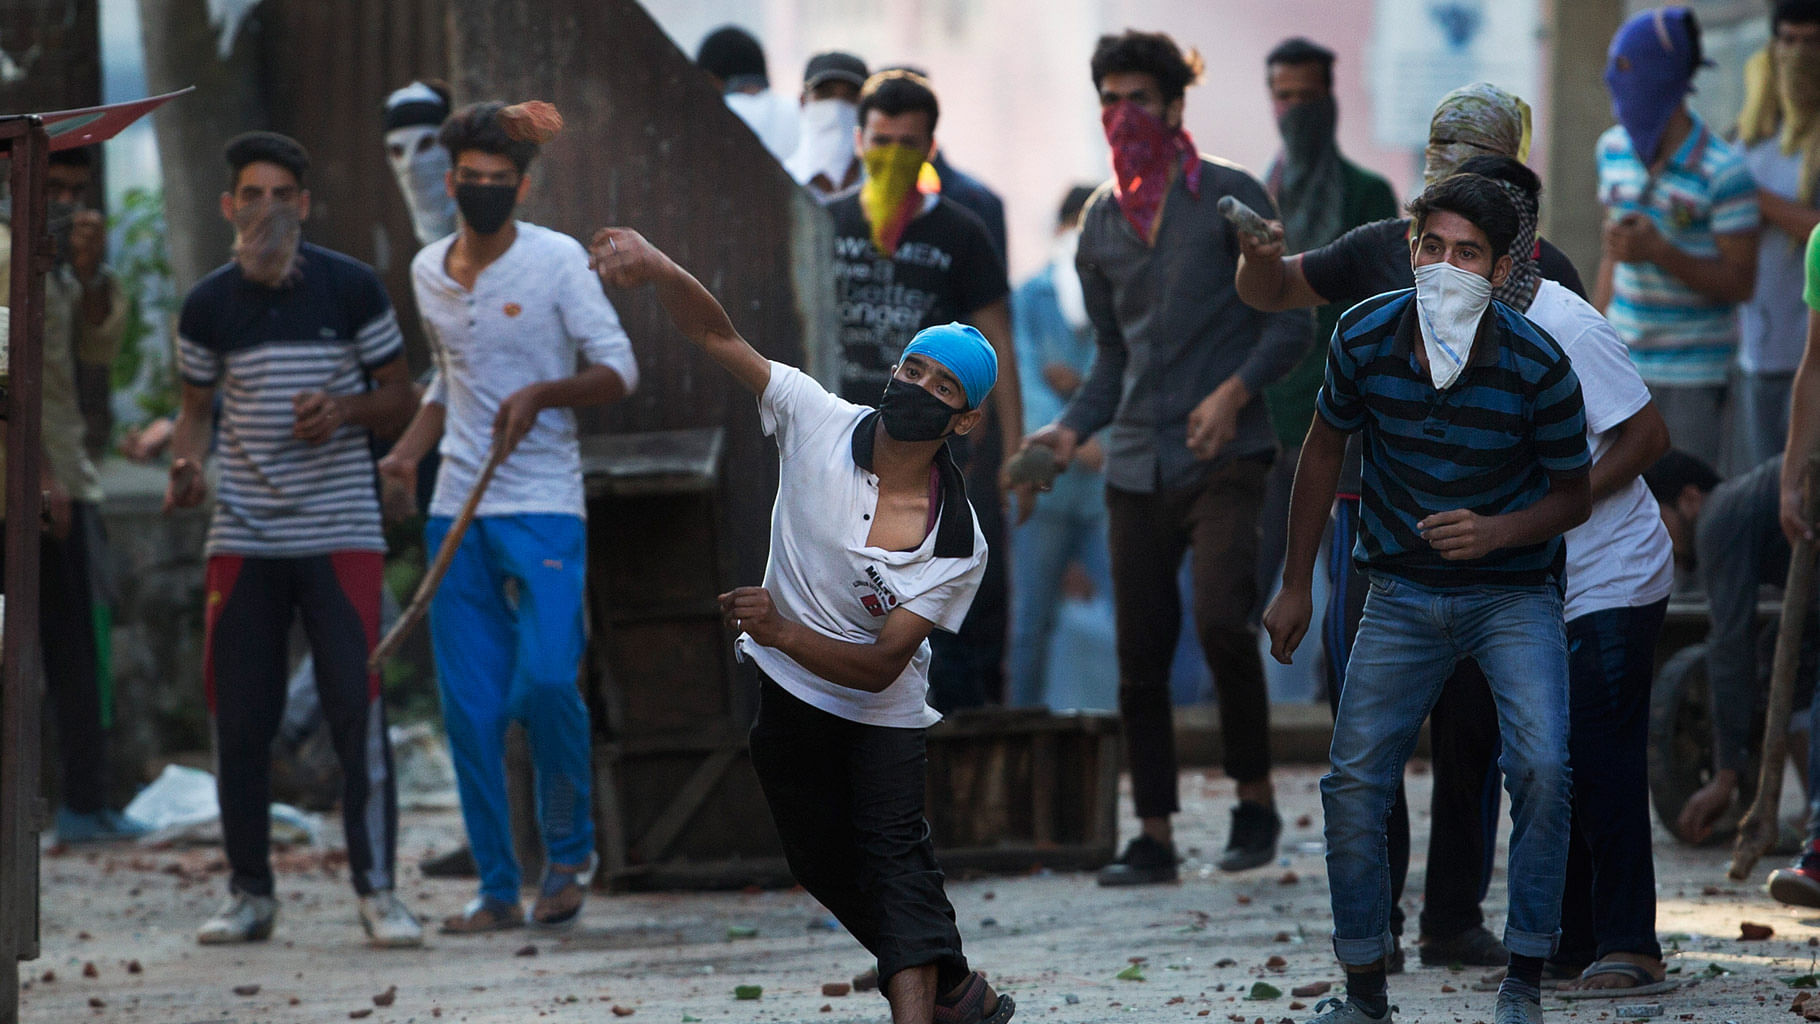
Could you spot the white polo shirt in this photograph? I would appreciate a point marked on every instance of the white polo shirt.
(823, 575)
(1619, 557)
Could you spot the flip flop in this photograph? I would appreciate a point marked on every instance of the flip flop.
(1646, 983)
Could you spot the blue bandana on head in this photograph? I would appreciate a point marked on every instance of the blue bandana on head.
(962, 351)
(1649, 71)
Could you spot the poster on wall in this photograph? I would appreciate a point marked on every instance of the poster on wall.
(1423, 49)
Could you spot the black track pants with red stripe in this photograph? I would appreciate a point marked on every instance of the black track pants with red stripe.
(250, 606)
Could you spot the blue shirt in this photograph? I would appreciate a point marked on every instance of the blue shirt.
(1487, 443)
(1042, 336)
(1676, 335)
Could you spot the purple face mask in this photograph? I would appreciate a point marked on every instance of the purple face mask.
(1649, 71)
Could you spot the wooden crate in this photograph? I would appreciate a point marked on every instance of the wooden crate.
(1007, 790)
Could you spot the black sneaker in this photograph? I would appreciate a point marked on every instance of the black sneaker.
(1253, 843)
(1474, 947)
(1144, 862)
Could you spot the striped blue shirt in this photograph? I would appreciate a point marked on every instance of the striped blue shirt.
(280, 497)
(1487, 443)
(1676, 335)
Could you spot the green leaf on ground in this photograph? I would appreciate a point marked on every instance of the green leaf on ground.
(1714, 970)
(1133, 973)
(1803, 981)
(1262, 990)
(748, 991)
(741, 931)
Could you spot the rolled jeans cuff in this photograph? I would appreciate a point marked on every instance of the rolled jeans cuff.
(1531, 943)
(1359, 952)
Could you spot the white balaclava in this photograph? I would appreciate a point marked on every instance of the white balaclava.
(412, 116)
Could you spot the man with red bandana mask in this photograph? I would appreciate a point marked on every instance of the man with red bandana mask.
(1176, 383)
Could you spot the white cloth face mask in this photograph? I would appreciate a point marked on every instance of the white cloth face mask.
(419, 163)
(825, 145)
(1450, 302)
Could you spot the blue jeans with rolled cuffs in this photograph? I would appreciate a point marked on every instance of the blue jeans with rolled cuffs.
(1408, 642)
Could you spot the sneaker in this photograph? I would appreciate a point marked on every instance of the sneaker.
(1253, 842)
(564, 888)
(389, 924)
(1474, 947)
(1798, 885)
(484, 915)
(240, 918)
(1144, 862)
(1345, 1011)
(103, 826)
(1516, 1009)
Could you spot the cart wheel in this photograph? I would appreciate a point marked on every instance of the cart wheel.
(1681, 740)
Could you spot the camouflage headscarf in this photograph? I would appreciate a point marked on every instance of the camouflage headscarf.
(1471, 121)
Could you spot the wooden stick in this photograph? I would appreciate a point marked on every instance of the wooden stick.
(1757, 832)
(420, 602)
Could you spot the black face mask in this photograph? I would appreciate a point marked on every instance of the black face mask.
(486, 208)
(913, 414)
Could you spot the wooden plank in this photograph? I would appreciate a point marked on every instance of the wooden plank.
(20, 805)
(1043, 769)
(655, 843)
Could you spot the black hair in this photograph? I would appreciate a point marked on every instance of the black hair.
(1794, 12)
(1149, 53)
(730, 51)
(1672, 473)
(1302, 51)
(476, 126)
(1505, 169)
(80, 156)
(898, 92)
(1476, 198)
(1073, 203)
(265, 147)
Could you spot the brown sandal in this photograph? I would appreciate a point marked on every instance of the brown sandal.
(969, 1007)
(484, 915)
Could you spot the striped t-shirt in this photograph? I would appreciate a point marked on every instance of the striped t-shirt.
(280, 497)
(1487, 443)
(1676, 335)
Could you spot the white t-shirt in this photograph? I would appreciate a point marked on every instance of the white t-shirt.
(532, 311)
(823, 575)
(1619, 557)
(1772, 325)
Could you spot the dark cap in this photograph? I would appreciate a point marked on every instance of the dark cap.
(834, 66)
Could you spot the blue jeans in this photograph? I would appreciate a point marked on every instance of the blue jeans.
(1041, 551)
(501, 660)
(1409, 640)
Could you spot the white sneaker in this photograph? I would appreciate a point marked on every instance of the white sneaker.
(240, 918)
(388, 922)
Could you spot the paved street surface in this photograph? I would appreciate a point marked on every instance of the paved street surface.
(118, 946)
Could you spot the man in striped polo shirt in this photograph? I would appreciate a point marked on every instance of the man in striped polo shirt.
(304, 350)
(1475, 464)
(1681, 228)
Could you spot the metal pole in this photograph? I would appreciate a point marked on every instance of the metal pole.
(21, 808)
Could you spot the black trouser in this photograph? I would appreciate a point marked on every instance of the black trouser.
(1608, 902)
(246, 665)
(68, 633)
(1463, 739)
(967, 667)
(1148, 535)
(847, 800)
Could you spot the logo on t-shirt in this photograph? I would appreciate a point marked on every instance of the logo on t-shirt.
(878, 598)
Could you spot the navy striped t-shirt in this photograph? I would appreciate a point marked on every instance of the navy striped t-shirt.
(279, 497)
(1487, 443)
